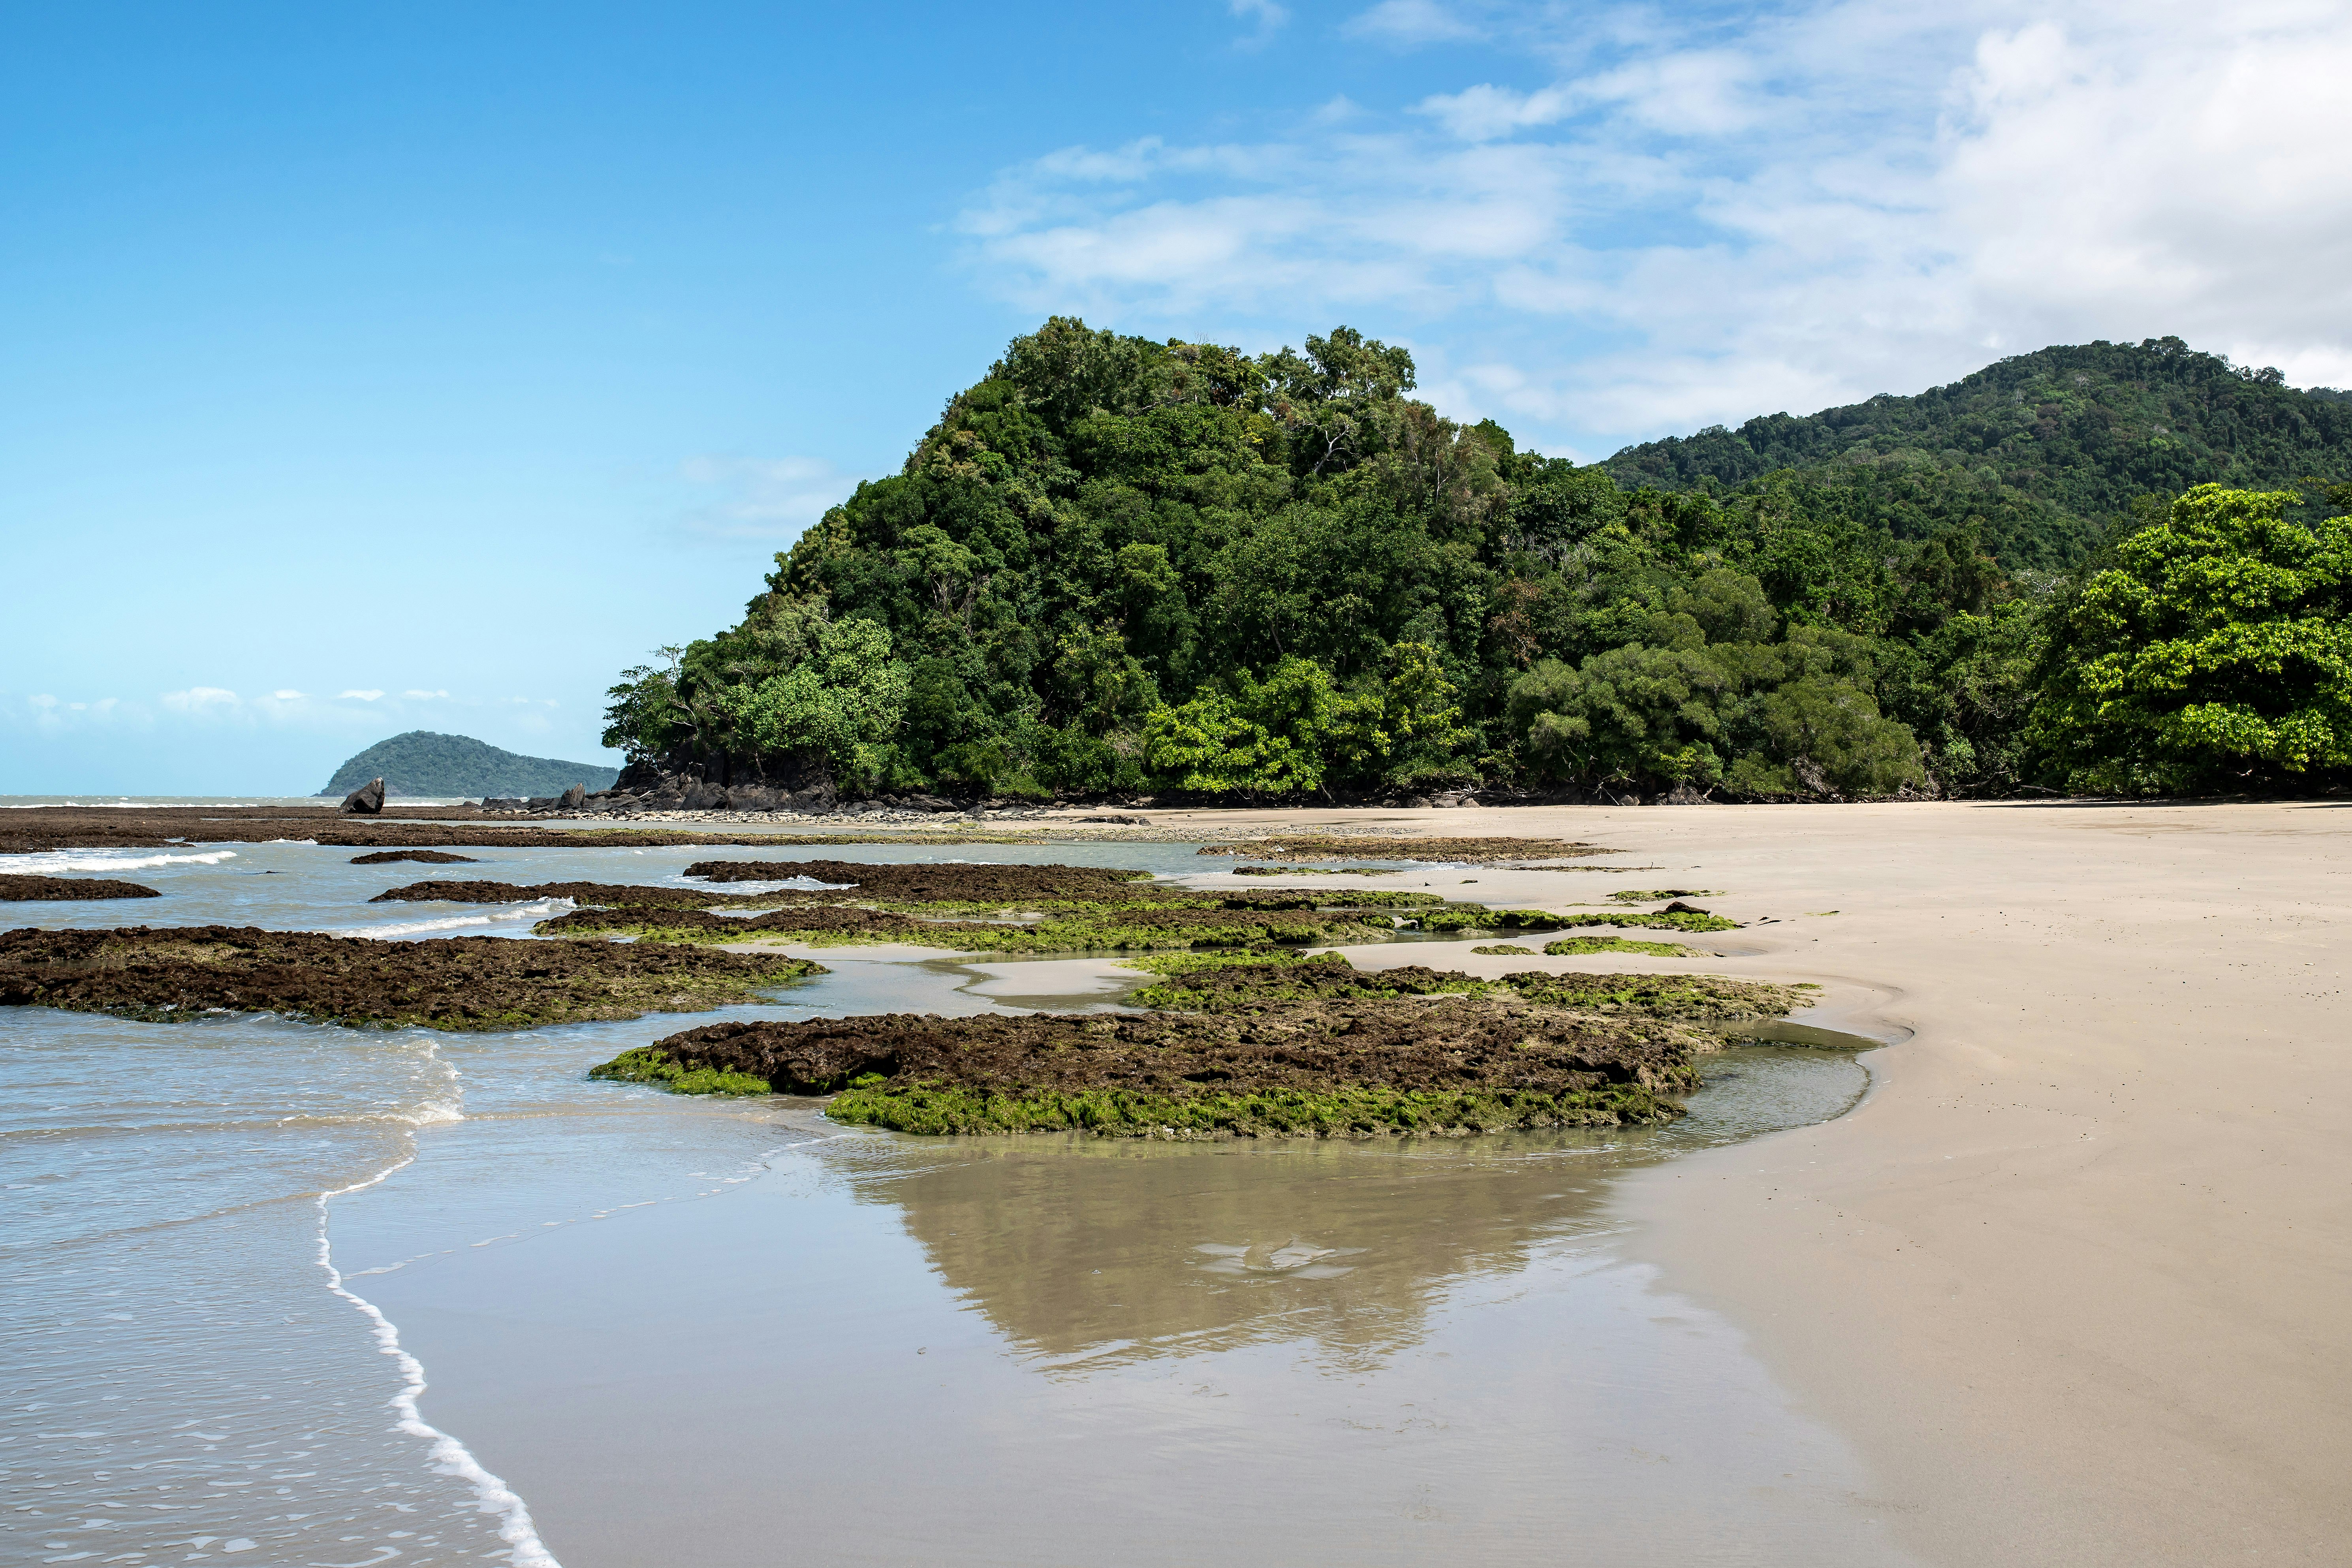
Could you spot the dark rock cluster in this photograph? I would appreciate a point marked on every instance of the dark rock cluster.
(22, 889)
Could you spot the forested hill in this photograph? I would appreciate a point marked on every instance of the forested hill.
(2040, 449)
(422, 763)
(1117, 565)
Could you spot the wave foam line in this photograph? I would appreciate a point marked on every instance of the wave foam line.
(786, 884)
(106, 860)
(450, 1456)
(543, 910)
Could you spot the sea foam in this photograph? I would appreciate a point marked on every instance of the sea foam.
(50, 863)
(545, 908)
(450, 1456)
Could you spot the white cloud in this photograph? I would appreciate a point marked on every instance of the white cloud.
(202, 699)
(1267, 16)
(426, 695)
(364, 696)
(1798, 208)
(1406, 22)
(1483, 113)
(286, 696)
(756, 498)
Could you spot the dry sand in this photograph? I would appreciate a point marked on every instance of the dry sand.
(2073, 1277)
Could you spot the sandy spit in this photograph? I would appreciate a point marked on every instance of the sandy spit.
(2074, 1276)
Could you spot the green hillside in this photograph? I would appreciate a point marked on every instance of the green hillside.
(423, 764)
(1119, 565)
(2038, 450)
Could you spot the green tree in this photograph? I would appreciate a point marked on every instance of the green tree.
(2215, 653)
(845, 701)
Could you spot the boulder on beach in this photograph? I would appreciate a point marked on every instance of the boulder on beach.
(365, 801)
(573, 798)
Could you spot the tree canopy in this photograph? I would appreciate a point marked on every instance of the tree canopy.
(1117, 564)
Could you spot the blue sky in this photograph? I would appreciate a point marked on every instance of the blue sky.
(370, 369)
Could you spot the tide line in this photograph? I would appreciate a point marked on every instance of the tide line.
(450, 1456)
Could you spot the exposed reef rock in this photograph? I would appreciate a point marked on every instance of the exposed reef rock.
(610, 893)
(365, 801)
(1365, 847)
(1330, 978)
(425, 857)
(1363, 1068)
(830, 926)
(928, 884)
(449, 983)
(23, 890)
(1084, 930)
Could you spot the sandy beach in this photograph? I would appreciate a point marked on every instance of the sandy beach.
(2064, 1287)
(2073, 1278)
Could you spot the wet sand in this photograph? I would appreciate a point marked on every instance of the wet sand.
(1060, 1350)
(2073, 1277)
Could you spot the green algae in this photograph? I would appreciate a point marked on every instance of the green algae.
(1378, 846)
(1660, 894)
(1369, 1112)
(1482, 917)
(1319, 871)
(1189, 962)
(455, 983)
(1509, 950)
(652, 1065)
(1673, 996)
(1673, 919)
(1578, 946)
(1112, 931)
(1330, 979)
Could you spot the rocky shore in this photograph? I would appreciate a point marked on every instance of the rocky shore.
(1364, 1068)
(1270, 1047)
(24, 889)
(449, 983)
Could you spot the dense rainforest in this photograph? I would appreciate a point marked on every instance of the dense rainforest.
(1117, 565)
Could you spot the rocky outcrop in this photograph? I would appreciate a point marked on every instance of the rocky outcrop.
(429, 857)
(22, 889)
(365, 801)
(450, 983)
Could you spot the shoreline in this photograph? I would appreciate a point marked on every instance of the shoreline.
(2068, 1279)
(1439, 1346)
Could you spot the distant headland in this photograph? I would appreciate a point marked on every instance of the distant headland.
(421, 762)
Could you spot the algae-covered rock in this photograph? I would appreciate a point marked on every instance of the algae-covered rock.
(17, 887)
(449, 983)
(1360, 1068)
(1367, 846)
(425, 857)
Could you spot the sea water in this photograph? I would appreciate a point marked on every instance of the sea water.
(285, 1292)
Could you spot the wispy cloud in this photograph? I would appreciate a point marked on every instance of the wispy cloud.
(1794, 208)
(760, 497)
(1408, 23)
(354, 712)
(1267, 20)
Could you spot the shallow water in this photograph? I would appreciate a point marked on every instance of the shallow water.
(657, 1329)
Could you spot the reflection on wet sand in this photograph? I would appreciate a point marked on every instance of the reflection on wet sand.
(1086, 1253)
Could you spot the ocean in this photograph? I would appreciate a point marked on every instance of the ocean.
(285, 1292)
